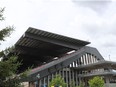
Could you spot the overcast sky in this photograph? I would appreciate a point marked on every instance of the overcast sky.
(89, 20)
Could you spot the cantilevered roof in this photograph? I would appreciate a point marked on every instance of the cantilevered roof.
(36, 47)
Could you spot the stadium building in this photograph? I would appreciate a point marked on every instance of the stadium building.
(51, 54)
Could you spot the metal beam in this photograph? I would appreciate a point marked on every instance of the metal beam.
(53, 41)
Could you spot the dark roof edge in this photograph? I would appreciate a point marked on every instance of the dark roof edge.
(87, 42)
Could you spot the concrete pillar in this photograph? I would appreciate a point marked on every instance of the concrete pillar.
(67, 77)
(86, 82)
(48, 79)
(107, 82)
(40, 83)
(76, 78)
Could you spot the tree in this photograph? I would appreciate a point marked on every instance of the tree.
(5, 32)
(9, 68)
(57, 81)
(72, 84)
(96, 82)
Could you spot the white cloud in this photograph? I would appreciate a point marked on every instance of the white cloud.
(81, 20)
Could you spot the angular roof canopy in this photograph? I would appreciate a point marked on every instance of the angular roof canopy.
(36, 47)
